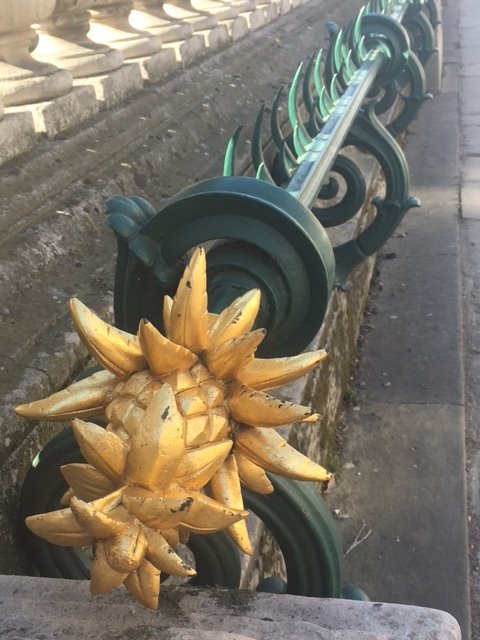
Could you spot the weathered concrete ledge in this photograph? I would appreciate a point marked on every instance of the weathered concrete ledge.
(35, 607)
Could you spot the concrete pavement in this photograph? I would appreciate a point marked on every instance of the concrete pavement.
(404, 453)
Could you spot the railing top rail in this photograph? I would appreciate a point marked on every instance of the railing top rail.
(318, 160)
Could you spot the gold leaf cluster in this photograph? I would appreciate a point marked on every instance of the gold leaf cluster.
(188, 424)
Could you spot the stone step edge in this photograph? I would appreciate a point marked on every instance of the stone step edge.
(22, 126)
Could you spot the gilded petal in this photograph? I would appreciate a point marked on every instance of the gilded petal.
(212, 318)
(172, 537)
(167, 311)
(59, 527)
(207, 515)
(257, 409)
(226, 359)
(86, 482)
(269, 373)
(110, 502)
(162, 355)
(144, 584)
(102, 449)
(96, 523)
(125, 551)
(67, 496)
(237, 319)
(159, 442)
(161, 554)
(82, 399)
(267, 449)
(252, 476)
(198, 465)
(225, 487)
(115, 350)
(188, 324)
(103, 578)
(154, 511)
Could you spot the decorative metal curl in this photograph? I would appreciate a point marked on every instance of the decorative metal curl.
(421, 33)
(415, 81)
(290, 258)
(368, 133)
(352, 200)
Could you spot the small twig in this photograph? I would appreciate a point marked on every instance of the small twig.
(359, 538)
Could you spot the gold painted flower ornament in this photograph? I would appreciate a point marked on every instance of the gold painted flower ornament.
(188, 423)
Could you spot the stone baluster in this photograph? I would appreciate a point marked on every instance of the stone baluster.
(204, 23)
(63, 39)
(231, 13)
(110, 25)
(223, 10)
(23, 79)
(284, 6)
(185, 10)
(271, 9)
(151, 16)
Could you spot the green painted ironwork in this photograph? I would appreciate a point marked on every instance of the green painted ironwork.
(368, 133)
(258, 222)
(421, 33)
(413, 78)
(286, 254)
(260, 235)
(371, 57)
(305, 531)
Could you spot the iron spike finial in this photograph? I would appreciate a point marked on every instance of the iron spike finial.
(230, 152)
(301, 139)
(262, 172)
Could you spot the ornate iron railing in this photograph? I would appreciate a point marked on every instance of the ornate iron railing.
(267, 232)
(289, 257)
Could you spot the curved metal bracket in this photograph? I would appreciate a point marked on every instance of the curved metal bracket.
(422, 34)
(383, 31)
(301, 138)
(414, 79)
(387, 100)
(229, 160)
(306, 533)
(368, 133)
(285, 162)
(334, 57)
(352, 200)
(284, 252)
(312, 104)
(432, 12)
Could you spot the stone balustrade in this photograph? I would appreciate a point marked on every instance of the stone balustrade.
(63, 61)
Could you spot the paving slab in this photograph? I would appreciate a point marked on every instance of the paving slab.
(402, 500)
